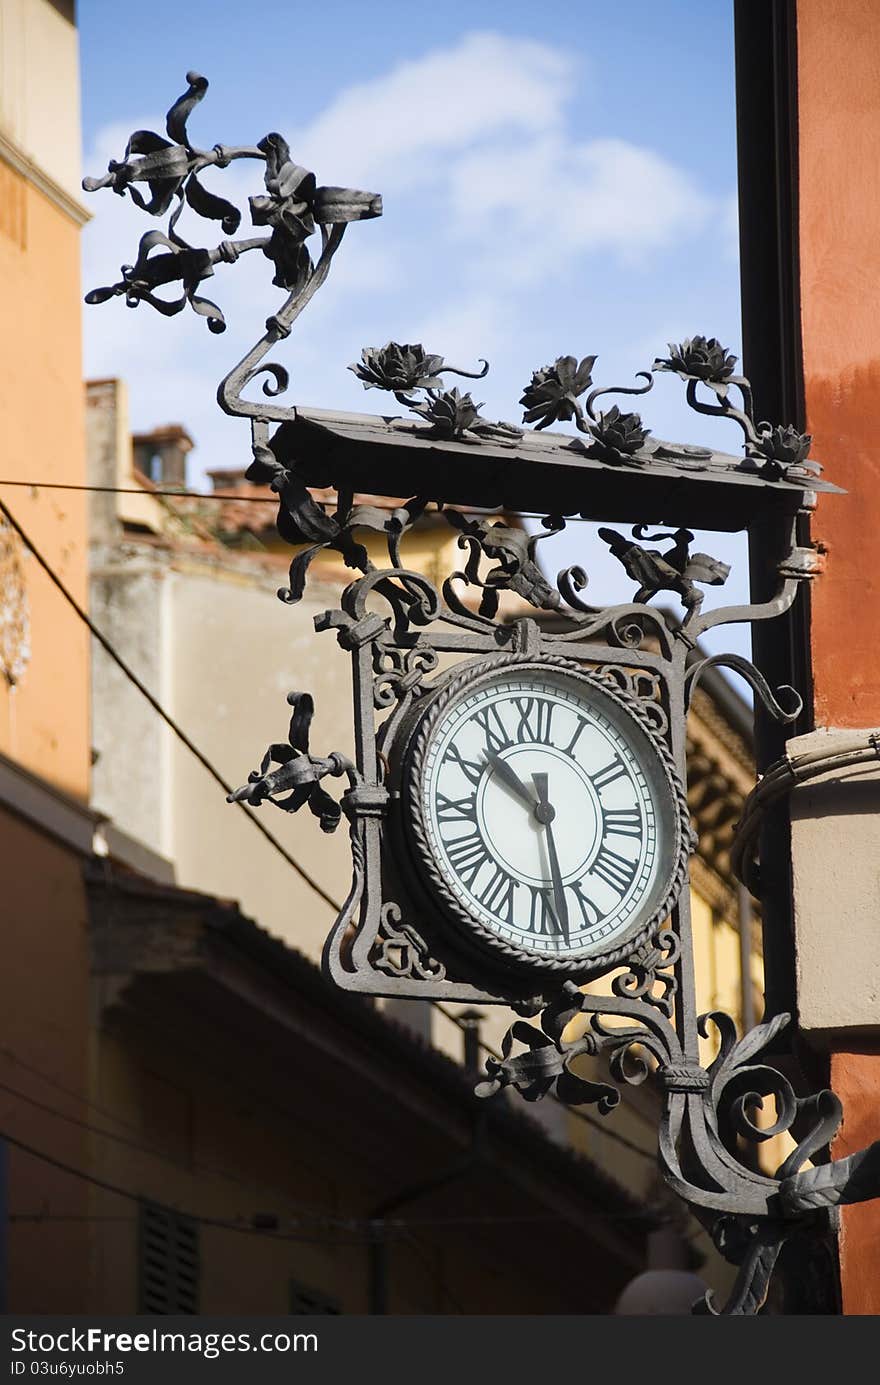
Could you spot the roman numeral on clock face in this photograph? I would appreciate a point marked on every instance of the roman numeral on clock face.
(607, 775)
(466, 855)
(535, 718)
(456, 809)
(579, 729)
(497, 894)
(615, 870)
(471, 769)
(541, 916)
(489, 720)
(589, 912)
(626, 822)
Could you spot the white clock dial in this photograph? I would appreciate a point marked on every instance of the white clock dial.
(547, 812)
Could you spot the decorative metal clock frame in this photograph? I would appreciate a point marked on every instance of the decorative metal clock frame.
(397, 626)
(414, 827)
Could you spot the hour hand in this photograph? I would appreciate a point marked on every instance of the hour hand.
(510, 777)
(545, 814)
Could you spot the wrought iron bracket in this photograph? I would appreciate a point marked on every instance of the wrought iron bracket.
(401, 632)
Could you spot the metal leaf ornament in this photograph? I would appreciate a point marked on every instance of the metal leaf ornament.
(299, 775)
(542, 1069)
(293, 204)
(167, 165)
(176, 261)
(517, 569)
(301, 519)
(552, 395)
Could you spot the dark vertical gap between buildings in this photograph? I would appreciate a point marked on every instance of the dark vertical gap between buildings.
(767, 156)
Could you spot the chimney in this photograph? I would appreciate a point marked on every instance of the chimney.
(160, 455)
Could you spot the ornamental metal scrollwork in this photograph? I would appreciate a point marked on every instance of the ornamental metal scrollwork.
(400, 671)
(541, 1069)
(517, 570)
(290, 211)
(707, 1112)
(643, 685)
(648, 968)
(676, 570)
(300, 773)
(400, 950)
(292, 208)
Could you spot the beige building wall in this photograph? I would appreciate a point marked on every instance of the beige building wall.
(220, 652)
(39, 87)
(238, 653)
(109, 447)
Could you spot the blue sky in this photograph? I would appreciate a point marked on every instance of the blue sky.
(556, 179)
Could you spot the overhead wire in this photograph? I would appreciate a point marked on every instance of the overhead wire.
(143, 491)
(311, 1213)
(169, 721)
(219, 497)
(107, 1186)
(215, 774)
(271, 1221)
(319, 1215)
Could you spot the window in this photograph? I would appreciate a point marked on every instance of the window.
(168, 1261)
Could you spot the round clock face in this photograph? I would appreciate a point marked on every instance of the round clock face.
(548, 812)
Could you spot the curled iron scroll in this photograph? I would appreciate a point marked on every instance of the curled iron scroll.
(746, 669)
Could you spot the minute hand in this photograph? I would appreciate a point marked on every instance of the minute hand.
(511, 778)
(545, 814)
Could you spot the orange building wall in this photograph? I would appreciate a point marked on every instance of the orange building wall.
(44, 721)
(838, 137)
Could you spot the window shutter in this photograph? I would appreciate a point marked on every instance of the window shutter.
(169, 1261)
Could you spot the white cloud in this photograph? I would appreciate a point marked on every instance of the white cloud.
(484, 85)
(537, 205)
(470, 327)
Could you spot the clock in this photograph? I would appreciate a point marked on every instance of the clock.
(544, 814)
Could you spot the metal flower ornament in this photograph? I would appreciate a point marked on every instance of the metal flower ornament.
(771, 449)
(469, 694)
